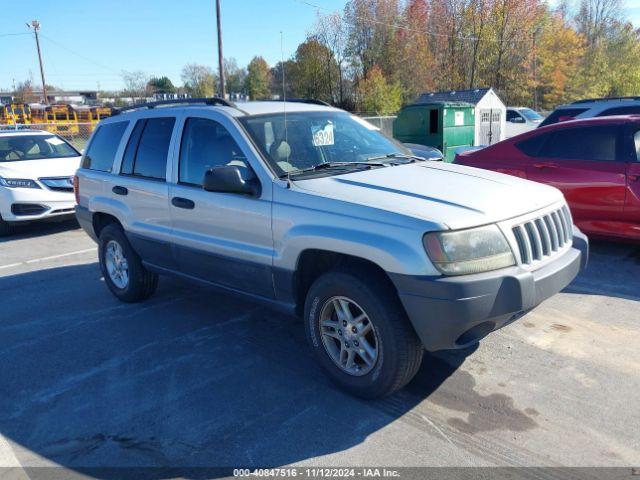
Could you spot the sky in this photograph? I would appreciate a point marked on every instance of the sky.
(87, 44)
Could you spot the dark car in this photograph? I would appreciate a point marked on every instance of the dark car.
(594, 162)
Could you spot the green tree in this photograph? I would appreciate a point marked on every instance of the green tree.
(234, 76)
(161, 85)
(314, 75)
(199, 81)
(376, 95)
(258, 79)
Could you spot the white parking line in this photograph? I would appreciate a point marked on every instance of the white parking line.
(52, 257)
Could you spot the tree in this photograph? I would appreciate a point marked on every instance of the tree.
(235, 76)
(377, 95)
(161, 85)
(23, 92)
(330, 31)
(312, 77)
(135, 84)
(258, 79)
(199, 80)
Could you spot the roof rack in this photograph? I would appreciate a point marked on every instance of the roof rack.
(179, 101)
(587, 100)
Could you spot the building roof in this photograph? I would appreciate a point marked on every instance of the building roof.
(470, 96)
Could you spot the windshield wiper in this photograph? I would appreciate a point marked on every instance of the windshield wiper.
(329, 165)
(397, 156)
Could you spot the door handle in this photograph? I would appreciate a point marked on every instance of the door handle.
(118, 190)
(183, 203)
(545, 165)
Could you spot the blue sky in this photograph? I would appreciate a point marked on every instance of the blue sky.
(90, 42)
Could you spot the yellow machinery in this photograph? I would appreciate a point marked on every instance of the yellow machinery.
(6, 116)
(21, 113)
(88, 117)
(58, 119)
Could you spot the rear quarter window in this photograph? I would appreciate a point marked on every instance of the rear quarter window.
(103, 147)
(532, 146)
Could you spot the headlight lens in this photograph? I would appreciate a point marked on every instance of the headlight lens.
(18, 183)
(469, 251)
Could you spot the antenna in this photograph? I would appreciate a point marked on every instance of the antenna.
(284, 106)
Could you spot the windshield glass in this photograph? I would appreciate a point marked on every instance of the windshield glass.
(34, 147)
(314, 138)
(531, 115)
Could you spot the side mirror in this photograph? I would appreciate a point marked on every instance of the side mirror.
(231, 179)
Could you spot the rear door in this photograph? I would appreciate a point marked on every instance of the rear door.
(223, 238)
(142, 187)
(587, 164)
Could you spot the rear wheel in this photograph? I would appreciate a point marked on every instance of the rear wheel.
(122, 268)
(360, 333)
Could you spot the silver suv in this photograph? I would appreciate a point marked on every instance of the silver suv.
(312, 210)
(594, 107)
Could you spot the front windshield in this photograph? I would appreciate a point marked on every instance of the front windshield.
(34, 147)
(531, 115)
(313, 138)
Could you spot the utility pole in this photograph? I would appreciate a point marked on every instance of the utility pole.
(35, 25)
(535, 69)
(223, 91)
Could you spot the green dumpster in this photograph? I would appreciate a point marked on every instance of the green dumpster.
(444, 125)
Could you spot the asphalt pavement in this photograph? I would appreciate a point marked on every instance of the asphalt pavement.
(195, 378)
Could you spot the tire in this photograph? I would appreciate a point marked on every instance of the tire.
(140, 283)
(5, 228)
(398, 348)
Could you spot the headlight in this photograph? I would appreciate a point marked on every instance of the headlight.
(469, 251)
(18, 183)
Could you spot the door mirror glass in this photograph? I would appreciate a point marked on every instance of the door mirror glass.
(231, 179)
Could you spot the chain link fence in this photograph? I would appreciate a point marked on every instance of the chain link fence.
(77, 134)
(384, 123)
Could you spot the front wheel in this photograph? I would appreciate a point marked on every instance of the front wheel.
(5, 228)
(122, 268)
(360, 333)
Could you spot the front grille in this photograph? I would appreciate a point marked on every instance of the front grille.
(20, 209)
(543, 237)
(58, 184)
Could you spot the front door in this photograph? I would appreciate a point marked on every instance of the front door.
(632, 199)
(222, 238)
(587, 165)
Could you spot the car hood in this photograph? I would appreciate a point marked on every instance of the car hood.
(454, 196)
(52, 167)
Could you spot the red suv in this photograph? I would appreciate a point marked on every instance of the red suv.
(595, 162)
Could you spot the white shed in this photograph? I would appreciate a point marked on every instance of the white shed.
(490, 112)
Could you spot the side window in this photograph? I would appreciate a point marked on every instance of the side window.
(636, 141)
(587, 143)
(533, 145)
(132, 148)
(205, 144)
(153, 148)
(103, 147)
(630, 110)
(562, 114)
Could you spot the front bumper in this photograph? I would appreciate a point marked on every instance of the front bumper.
(29, 204)
(456, 312)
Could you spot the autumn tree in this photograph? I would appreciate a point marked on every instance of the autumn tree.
(199, 80)
(377, 95)
(258, 79)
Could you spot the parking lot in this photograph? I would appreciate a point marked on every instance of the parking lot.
(195, 378)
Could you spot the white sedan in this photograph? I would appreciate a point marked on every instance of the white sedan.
(36, 177)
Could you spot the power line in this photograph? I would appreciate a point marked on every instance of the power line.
(87, 59)
(13, 34)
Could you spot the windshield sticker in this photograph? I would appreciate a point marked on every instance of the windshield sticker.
(54, 141)
(322, 137)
